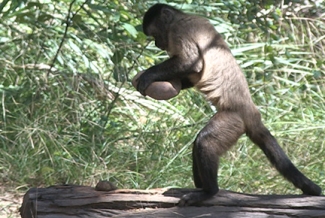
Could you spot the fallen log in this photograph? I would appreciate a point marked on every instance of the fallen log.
(74, 201)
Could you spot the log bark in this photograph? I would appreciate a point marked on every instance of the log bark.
(73, 201)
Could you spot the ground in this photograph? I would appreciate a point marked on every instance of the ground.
(10, 201)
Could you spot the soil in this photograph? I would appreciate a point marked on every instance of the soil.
(10, 202)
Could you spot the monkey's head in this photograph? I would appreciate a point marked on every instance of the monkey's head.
(156, 23)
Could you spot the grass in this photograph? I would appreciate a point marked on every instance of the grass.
(154, 150)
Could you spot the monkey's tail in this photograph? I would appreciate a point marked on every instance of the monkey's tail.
(262, 137)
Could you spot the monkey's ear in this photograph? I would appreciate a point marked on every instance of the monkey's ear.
(167, 15)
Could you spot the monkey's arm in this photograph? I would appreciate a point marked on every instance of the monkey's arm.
(186, 83)
(173, 68)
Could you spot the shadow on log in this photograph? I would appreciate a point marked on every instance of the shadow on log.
(72, 201)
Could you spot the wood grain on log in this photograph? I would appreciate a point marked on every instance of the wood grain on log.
(72, 201)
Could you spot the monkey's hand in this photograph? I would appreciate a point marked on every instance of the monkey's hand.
(160, 90)
(144, 81)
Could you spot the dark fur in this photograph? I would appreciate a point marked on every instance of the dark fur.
(199, 57)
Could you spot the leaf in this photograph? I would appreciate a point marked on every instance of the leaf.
(130, 29)
(119, 73)
(117, 57)
(317, 74)
(74, 47)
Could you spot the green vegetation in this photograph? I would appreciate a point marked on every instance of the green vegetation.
(69, 113)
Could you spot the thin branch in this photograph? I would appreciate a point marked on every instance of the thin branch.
(68, 23)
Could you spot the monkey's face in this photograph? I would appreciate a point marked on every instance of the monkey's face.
(158, 31)
(161, 42)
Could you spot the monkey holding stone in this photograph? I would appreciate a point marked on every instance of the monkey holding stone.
(200, 58)
(162, 90)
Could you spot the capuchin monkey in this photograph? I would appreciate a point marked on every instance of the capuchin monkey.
(200, 58)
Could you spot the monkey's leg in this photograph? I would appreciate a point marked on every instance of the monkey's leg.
(261, 136)
(222, 131)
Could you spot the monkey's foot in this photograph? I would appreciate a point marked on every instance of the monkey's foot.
(311, 189)
(194, 198)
